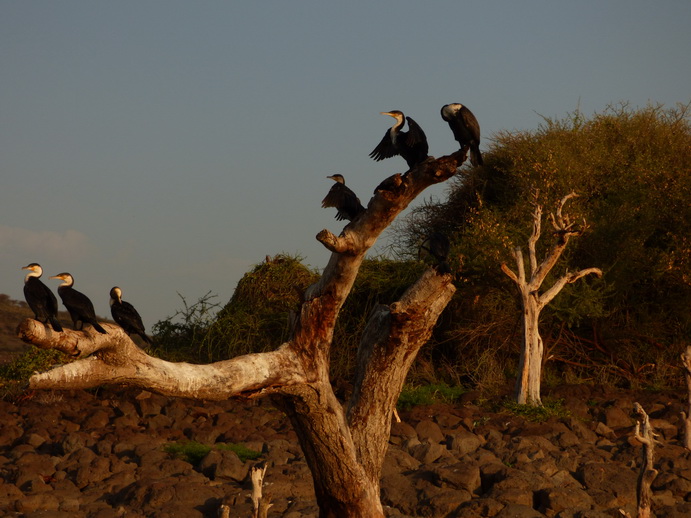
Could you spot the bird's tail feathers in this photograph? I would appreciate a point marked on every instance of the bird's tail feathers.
(98, 328)
(55, 324)
(476, 156)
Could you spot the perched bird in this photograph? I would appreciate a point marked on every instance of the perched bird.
(411, 144)
(465, 127)
(78, 305)
(345, 201)
(40, 298)
(437, 245)
(126, 316)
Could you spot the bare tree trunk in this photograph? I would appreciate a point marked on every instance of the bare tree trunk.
(527, 390)
(647, 474)
(344, 447)
(686, 416)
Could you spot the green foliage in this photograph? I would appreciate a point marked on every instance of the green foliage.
(259, 316)
(632, 171)
(380, 281)
(193, 451)
(15, 375)
(190, 451)
(34, 360)
(242, 451)
(551, 408)
(428, 394)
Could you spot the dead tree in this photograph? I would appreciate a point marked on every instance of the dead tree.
(344, 445)
(645, 435)
(527, 389)
(686, 416)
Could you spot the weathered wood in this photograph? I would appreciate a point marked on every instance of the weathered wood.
(343, 450)
(527, 389)
(644, 433)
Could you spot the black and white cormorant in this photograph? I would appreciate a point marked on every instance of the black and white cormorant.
(341, 197)
(40, 298)
(411, 144)
(78, 305)
(465, 127)
(126, 316)
(437, 245)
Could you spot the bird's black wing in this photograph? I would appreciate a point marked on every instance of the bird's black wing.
(334, 197)
(385, 149)
(415, 134)
(471, 123)
(128, 317)
(345, 200)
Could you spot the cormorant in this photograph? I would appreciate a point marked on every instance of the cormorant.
(40, 298)
(79, 306)
(126, 316)
(411, 145)
(343, 199)
(465, 127)
(437, 245)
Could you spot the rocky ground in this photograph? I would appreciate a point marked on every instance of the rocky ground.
(100, 454)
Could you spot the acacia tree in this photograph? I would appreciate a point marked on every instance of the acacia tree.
(527, 390)
(344, 446)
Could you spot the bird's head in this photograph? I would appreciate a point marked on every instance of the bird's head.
(396, 114)
(337, 178)
(449, 110)
(65, 277)
(116, 294)
(34, 267)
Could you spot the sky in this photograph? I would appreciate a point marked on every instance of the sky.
(167, 147)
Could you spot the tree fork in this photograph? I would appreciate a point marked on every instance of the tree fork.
(344, 449)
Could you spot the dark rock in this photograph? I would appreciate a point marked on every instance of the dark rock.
(556, 499)
(398, 461)
(462, 442)
(478, 508)
(429, 431)
(616, 417)
(518, 511)
(428, 452)
(620, 483)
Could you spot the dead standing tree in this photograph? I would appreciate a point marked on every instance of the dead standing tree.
(344, 446)
(527, 389)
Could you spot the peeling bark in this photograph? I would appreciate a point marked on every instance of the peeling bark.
(527, 390)
(344, 449)
(645, 435)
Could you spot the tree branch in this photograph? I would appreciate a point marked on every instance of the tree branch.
(392, 338)
(115, 358)
(569, 278)
(534, 237)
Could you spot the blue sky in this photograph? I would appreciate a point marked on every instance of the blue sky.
(167, 146)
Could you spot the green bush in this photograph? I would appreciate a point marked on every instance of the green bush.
(631, 169)
(428, 394)
(193, 451)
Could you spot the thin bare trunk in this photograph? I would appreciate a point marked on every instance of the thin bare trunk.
(644, 434)
(527, 389)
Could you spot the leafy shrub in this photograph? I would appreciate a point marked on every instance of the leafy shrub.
(428, 394)
(193, 451)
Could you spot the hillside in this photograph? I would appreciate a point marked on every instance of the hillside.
(11, 313)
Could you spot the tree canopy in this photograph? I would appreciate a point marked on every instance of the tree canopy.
(632, 171)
